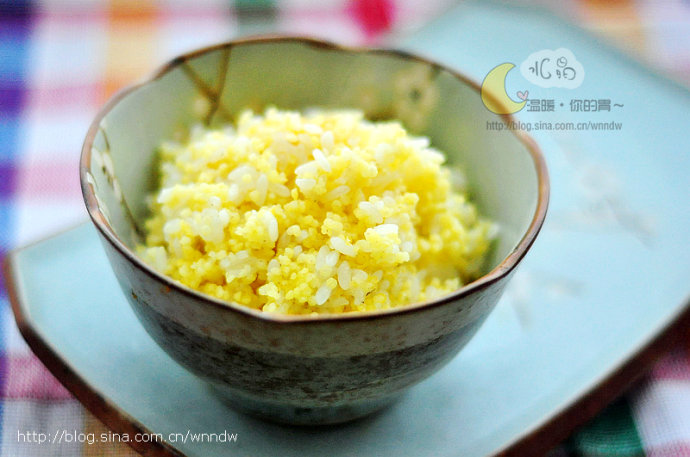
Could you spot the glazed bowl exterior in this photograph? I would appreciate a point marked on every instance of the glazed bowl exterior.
(307, 369)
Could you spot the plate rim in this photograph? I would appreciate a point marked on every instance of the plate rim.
(97, 404)
(611, 384)
(534, 441)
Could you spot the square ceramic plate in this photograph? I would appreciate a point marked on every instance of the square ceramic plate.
(603, 290)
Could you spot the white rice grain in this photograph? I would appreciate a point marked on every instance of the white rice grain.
(371, 211)
(420, 142)
(306, 168)
(332, 258)
(320, 263)
(322, 294)
(234, 194)
(273, 265)
(321, 160)
(305, 184)
(337, 192)
(279, 189)
(214, 202)
(327, 140)
(344, 275)
(313, 129)
(407, 246)
(158, 258)
(359, 276)
(386, 229)
(240, 172)
(164, 196)
(261, 189)
(343, 246)
(271, 226)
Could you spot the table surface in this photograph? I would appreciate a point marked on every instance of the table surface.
(60, 61)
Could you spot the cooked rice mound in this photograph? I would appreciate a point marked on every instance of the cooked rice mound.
(322, 212)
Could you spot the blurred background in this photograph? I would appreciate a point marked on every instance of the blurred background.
(61, 60)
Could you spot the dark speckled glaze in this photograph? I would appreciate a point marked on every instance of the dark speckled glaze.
(305, 369)
(308, 372)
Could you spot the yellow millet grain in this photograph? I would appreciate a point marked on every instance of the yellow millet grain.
(323, 212)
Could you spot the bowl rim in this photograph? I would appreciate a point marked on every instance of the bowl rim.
(500, 271)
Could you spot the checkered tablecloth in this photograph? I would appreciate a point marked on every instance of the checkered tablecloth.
(60, 61)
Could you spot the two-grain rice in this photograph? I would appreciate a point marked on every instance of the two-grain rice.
(323, 212)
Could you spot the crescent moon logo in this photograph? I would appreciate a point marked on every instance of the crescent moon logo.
(494, 95)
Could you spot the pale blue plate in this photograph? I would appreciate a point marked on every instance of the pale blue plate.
(605, 280)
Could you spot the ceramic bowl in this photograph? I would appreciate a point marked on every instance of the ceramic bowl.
(305, 369)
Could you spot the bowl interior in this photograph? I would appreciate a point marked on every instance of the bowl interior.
(213, 86)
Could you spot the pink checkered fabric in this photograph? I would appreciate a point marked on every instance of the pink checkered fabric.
(60, 61)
